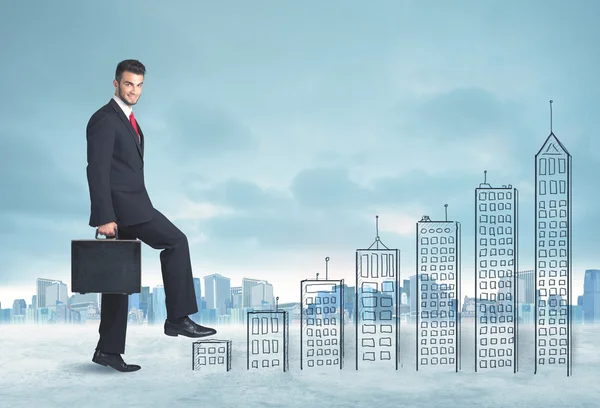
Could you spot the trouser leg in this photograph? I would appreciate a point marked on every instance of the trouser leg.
(176, 265)
(113, 318)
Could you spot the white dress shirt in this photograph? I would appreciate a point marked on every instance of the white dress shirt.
(126, 109)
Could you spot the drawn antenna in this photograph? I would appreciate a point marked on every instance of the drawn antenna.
(377, 239)
(446, 209)
(485, 183)
(551, 115)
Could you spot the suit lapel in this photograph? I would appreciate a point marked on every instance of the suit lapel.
(141, 140)
(128, 125)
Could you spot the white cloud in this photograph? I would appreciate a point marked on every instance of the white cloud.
(189, 210)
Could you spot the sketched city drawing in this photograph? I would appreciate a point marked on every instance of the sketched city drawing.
(553, 254)
(377, 304)
(496, 285)
(211, 354)
(437, 284)
(267, 339)
(505, 298)
(322, 323)
(438, 291)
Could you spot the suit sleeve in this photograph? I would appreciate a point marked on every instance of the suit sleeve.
(100, 145)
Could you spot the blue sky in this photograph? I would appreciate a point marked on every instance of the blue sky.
(276, 131)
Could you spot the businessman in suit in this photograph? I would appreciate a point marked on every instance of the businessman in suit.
(120, 206)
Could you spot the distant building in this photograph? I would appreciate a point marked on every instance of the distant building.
(526, 287)
(42, 284)
(19, 307)
(56, 292)
(198, 291)
(159, 307)
(591, 296)
(261, 296)
(247, 285)
(236, 297)
(217, 289)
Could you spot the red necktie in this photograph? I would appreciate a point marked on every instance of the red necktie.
(134, 124)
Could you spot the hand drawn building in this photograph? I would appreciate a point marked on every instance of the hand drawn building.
(553, 255)
(496, 281)
(322, 323)
(438, 291)
(377, 319)
(268, 339)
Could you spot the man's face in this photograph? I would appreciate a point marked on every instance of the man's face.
(130, 87)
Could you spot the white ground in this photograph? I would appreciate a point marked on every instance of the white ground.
(50, 366)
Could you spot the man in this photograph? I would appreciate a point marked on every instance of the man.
(115, 172)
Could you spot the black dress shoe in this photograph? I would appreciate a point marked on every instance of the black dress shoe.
(113, 360)
(187, 328)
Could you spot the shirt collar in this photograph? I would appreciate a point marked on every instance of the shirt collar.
(126, 109)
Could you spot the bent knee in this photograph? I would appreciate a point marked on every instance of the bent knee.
(179, 239)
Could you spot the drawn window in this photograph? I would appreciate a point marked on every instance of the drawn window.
(542, 166)
(552, 167)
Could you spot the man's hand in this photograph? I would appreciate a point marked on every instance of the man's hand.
(108, 230)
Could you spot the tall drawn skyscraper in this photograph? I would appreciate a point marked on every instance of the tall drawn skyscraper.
(322, 323)
(496, 281)
(377, 305)
(553, 254)
(438, 292)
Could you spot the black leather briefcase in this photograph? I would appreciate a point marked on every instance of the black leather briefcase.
(109, 265)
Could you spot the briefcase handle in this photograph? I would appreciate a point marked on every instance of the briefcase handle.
(116, 236)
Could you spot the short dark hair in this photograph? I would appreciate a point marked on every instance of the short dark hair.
(129, 65)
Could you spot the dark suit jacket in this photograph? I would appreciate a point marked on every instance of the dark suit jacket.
(115, 169)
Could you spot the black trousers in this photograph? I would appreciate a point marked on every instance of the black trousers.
(176, 266)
